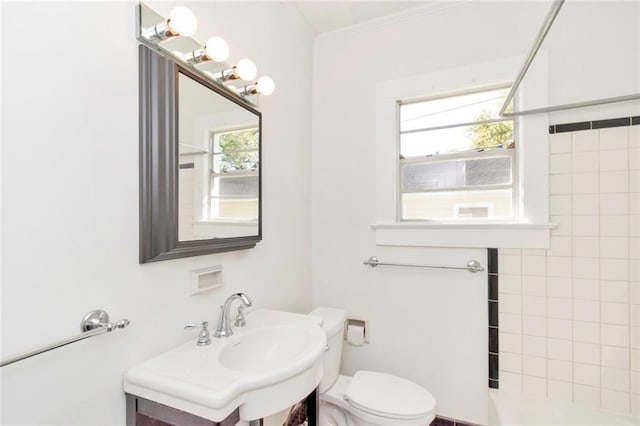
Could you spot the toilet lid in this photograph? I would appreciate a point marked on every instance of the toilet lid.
(388, 396)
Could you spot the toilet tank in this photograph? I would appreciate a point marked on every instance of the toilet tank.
(333, 325)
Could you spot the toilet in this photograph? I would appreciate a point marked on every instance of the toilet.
(368, 398)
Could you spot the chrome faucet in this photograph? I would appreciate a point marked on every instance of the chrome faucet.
(223, 328)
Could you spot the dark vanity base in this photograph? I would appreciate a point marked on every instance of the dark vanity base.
(142, 412)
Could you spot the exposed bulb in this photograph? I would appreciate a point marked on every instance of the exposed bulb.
(265, 85)
(246, 69)
(182, 21)
(217, 49)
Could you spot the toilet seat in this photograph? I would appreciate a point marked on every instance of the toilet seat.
(388, 396)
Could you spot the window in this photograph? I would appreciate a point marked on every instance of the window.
(233, 178)
(457, 158)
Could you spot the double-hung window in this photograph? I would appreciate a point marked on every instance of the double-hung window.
(233, 177)
(457, 158)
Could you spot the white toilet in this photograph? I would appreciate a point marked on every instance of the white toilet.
(368, 398)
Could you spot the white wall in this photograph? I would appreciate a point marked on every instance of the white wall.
(431, 325)
(70, 199)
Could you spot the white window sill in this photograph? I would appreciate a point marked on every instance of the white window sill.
(468, 235)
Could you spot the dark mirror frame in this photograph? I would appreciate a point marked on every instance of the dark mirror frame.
(158, 94)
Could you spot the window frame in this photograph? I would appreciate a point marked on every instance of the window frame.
(470, 154)
(531, 229)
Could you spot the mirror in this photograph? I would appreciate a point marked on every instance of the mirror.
(200, 151)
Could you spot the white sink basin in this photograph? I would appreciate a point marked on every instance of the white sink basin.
(265, 367)
(265, 348)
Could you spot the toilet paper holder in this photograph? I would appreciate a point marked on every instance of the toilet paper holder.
(357, 322)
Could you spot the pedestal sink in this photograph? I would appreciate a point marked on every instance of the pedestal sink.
(265, 367)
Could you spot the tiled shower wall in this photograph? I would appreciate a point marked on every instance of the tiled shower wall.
(569, 317)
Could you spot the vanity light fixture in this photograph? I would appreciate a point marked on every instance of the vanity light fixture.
(215, 49)
(264, 86)
(245, 70)
(181, 22)
(172, 36)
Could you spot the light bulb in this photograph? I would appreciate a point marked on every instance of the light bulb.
(265, 85)
(246, 69)
(182, 22)
(217, 49)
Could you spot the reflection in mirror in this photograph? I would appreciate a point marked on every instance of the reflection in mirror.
(218, 165)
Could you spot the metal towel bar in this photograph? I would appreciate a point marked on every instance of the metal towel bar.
(472, 266)
(94, 323)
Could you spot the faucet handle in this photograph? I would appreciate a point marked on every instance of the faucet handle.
(204, 338)
(240, 319)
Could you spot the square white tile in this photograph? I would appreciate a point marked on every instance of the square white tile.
(560, 142)
(614, 313)
(586, 374)
(510, 264)
(534, 285)
(534, 326)
(614, 291)
(558, 307)
(586, 226)
(534, 265)
(560, 370)
(586, 353)
(614, 138)
(510, 362)
(584, 183)
(559, 287)
(560, 328)
(584, 162)
(586, 289)
(534, 305)
(510, 303)
(510, 342)
(559, 163)
(613, 204)
(615, 379)
(615, 357)
(614, 160)
(585, 204)
(559, 205)
(585, 268)
(587, 332)
(614, 269)
(560, 184)
(614, 247)
(615, 335)
(559, 266)
(614, 226)
(586, 247)
(560, 246)
(564, 226)
(614, 182)
(559, 349)
(585, 140)
(534, 366)
(509, 284)
(510, 323)
(534, 346)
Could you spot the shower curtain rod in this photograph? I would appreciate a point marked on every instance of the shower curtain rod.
(542, 34)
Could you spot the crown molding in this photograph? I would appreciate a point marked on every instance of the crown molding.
(376, 23)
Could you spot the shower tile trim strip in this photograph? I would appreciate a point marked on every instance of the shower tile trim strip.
(492, 298)
(596, 124)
